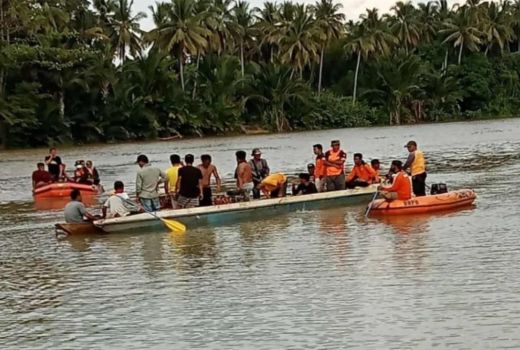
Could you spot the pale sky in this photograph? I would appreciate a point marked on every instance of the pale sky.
(351, 8)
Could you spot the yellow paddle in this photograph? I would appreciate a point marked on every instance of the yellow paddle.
(172, 225)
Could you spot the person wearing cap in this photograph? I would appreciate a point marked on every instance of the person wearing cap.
(335, 167)
(417, 165)
(311, 170)
(320, 170)
(260, 170)
(146, 184)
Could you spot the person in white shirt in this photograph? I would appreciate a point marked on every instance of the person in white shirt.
(118, 204)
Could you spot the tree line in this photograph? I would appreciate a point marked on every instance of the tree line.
(76, 71)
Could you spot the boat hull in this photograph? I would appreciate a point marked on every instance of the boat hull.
(422, 205)
(76, 229)
(63, 189)
(229, 213)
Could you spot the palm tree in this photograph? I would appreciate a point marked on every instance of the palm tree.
(125, 30)
(427, 20)
(367, 38)
(330, 22)
(462, 32)
(182, 33)
(300, 41)
(497, 25)
(242, 25)
(405, 25)
(269, 27)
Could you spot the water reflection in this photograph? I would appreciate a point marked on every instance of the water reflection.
(193, 249)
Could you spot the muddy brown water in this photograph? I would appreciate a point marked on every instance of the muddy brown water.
(309, 280)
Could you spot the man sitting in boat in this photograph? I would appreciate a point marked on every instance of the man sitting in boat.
(244, 176)
(81, 173)
(274, 185)
(376, 166)
(92, 173)
(40, 177)
(75, 211)
(361, 175)
(401, 187)
(305, 186)
(119, 204)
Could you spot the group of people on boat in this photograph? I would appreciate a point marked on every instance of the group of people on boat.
(84, 172)
(187, 185)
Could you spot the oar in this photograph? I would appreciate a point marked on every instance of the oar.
(371, 203)
(172, 225)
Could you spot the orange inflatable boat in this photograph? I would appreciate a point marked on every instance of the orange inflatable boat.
(426, 204)
(62, 189)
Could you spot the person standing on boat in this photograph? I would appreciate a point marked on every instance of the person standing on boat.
(75, 211)
(172, 174)
(189, 184)
(361, 174)
(54, 165)
(260, 170)
(320, 171)
(40, 177)
(417, 165)
(401, 188)
(208, 170)
(244, 175)
(335, 167)
(146, 184)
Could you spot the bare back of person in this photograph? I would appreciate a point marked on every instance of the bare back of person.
(206, 174)
(245, 173)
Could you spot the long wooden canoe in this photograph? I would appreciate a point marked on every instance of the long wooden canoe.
(229, 213)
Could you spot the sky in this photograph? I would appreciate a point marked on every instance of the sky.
(351, 8)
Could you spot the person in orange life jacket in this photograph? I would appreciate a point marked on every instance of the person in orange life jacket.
(320, 170)
(417, 165)
(260, 170)
(376, 166)
(335, 163)
(401, 189)
(361, 175)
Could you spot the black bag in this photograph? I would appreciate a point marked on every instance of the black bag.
(439, 189)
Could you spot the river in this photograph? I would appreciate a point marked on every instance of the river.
(310, 280)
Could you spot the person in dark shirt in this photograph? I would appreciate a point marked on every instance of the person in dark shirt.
(54, 165)
(40, 177)
(305, 186)
(93, 174)
(189, 184)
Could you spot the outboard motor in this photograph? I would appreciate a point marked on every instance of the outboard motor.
(439, 189)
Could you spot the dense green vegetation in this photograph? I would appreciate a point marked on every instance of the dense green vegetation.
(84, 71)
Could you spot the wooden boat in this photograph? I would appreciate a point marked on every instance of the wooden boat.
(226, 213)
(62, 189)
(65, 230)
(426, 204)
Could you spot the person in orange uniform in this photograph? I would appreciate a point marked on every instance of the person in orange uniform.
(274, 185)
(401, 188)
(361, 175)
(335, 163)
(417, 165)
(376, 166)
(320, 170)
